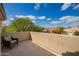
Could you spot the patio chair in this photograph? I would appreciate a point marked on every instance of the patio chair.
(8, 42)
(17, 41)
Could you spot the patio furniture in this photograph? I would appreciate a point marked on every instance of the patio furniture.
(17, 41)
(8, 41)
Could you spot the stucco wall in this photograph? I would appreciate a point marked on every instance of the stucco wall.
(20, 35)
(0, 27)
(0, 34)
(55, 43)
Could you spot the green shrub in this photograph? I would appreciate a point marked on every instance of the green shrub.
(21, 25)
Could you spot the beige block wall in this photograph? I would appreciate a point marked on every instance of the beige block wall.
(55, 43)
(20, 35)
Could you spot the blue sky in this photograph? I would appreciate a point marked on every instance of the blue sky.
(44, 14)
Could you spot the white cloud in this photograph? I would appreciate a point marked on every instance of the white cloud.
(65, 6)
(72, 5)
(76, 7)
(11, 18)
(75, 24)
(49, 19)
(34, 21)
(6, 22)
(29, 16)
(42, 17)
(37, 6)
(70, 18)
(56, 22)
(20, 16)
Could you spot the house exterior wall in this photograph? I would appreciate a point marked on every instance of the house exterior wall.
(71, 30)
(0, 27)
(56, 43)
(2, 17)
(2, 12)
(50, 30)
(0, 34)
(75, 28)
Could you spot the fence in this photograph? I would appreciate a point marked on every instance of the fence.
(55, 43)
(20, 35)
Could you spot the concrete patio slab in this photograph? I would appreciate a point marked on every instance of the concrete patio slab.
(26, 48)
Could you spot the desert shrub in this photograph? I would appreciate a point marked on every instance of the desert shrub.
(76, 33)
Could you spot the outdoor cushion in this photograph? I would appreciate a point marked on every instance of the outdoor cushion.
(13, 41)
(7, 38)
